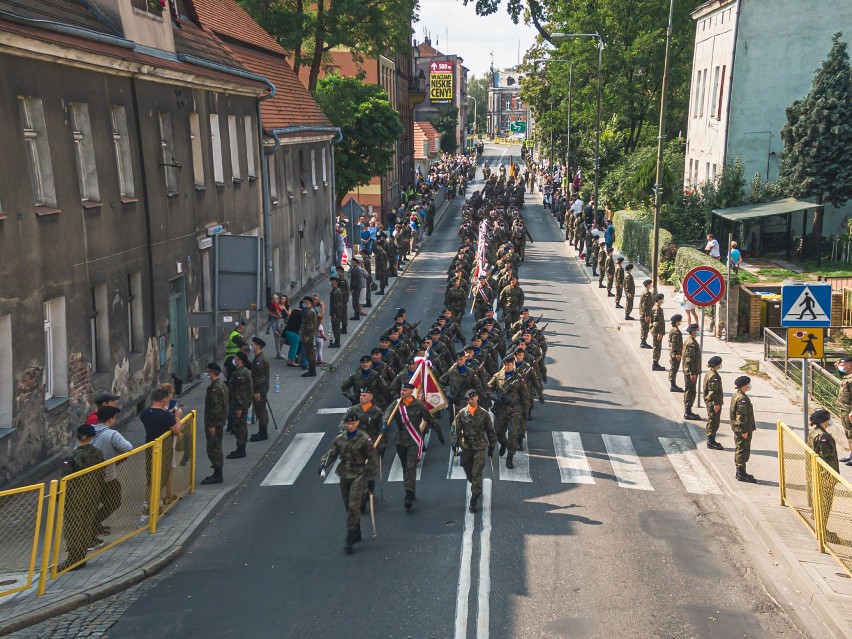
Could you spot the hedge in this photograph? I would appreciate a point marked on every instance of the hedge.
(687, 259)
(635, 237)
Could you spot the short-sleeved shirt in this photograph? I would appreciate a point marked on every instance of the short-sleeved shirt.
(734, 256)
(713, 247)
(157, 422)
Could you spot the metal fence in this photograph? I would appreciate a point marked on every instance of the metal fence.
(93, 510)
(818, 495)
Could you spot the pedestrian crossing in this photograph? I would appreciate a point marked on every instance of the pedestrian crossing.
(616, 462)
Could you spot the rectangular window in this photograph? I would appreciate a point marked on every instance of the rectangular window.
(509, 104)
(721, 91)
(135, 334)
(249, 128)
(38, 152)
(55, 349)
(206, 281)
(324, 170)
(197, 149)
(706, 171)
(696, 91)
(216, 143)
(123, 159)
(314, 169)
(7, 376)
(234, 142)
(272, 169)
(169, 162)
(154, 7)
(715, 93)
(84, 152)
(713, 172)
(100, 329)
(703, 93)
(302, 171)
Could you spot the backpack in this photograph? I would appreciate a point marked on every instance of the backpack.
(69, 465)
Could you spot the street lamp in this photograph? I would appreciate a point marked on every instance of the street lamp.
(600, 45)
(470, 97)
(570, 78)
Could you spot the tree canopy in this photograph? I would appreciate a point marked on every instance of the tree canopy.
(446, 122)
(370, 127)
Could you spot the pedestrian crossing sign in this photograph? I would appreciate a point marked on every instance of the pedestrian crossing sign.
(806, 305)
(805, 343)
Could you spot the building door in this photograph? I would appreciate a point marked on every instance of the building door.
(177, 327)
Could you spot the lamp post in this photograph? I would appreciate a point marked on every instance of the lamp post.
(570, 79)
(600, 45)
(470, 97)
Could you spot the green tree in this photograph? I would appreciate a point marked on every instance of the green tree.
(310, 28)
(370, 128)
(446, 122)
(818, 139)
(478, 88)
(535, 12)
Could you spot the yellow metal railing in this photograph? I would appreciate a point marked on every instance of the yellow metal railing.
(819, 496)
(93, 510)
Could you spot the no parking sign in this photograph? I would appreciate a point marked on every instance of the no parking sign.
(703, 286)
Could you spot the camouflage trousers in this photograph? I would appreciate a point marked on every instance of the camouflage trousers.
(689, 392)
(711, 427)
(260, 412)
(240, 428)
(743, 449)
(619, 291)
(644, 328)
(609, 283)
(658, 347)
(847, 425)
(353, 491)
(408, 458)
(511, 426)
(214, 447)
(674, 366)
(628, 304)
(473, 463)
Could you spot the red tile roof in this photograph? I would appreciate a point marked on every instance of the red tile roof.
(227, 18)
(424, 131)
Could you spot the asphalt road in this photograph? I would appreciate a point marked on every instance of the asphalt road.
(607, 536)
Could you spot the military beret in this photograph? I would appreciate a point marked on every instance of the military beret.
(461, 355)
(677, 317)
(692, 327)
(609, 249)
(525, 310)
(647, 283)
(820, 416)
(602, 241)
(384, 338)
(365, 358)
(334, 277)
(213, 366)
(410, 360)
(629, 267)
(85, 430)
(659, 296)
(366, 389)
(400, 311)
(469, 347)
(103, 398)
(844, 360)
(242, 357)
(714, 361)
(470, 393)
(620, 258)
(258, 341)
(508, 360)
(407, 385)
(742, 380)
(375, 351)
(351, 416)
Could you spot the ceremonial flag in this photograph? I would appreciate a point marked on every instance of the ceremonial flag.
(426, 386)
(414, 432)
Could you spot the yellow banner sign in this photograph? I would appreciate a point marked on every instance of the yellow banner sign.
(805, 343)
(441, 82)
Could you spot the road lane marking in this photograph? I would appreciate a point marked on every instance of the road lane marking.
(333, 411)
(396, 469)
(521, 471)
(625, 463)
(573, 465)
(463, 591)
(293, 460)
(332, 475)
(694, 474)
(454, 469)
(482, 615)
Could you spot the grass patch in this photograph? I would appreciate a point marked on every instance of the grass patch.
(752, 367)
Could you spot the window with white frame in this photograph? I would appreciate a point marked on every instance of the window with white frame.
(234, 142)
(324, 169)
(197, 149)
(696, 89)
(721, 93)
(216, 143)
(703, 93)
(272, 171)
(84, 152)
(55, 349)
(135, 334)
(509, 103)
(7, 376)
(715, 93)
(99, 326)
(248, 125)
(167, 144)
(38, 152)
(314, 169)
(123, 159)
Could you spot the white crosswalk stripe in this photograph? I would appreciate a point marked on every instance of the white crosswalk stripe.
(521, 471)
(333, 411)
(454, 469)
(573, 465)
(332, 477)
(692, 472)
(625, 463)
(293, 460)
(396, 469)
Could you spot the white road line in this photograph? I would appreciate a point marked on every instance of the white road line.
(463, 591)
(625, 463)
(521, 471)
(396, 469)
(294, 460)
(332, 475)
(573, 465)
(692, 472)
(482, 615)
(333, 411)
(454, 469)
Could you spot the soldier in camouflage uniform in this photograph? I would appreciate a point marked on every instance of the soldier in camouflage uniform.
(472, 434)
(713, 400)
(646, 307)
(601, 262)
(629, 291)
(82, 499)
(389, 355)
(675, 352)
(658, 324)
(405, 418)
(609, 269)
(619, 281)
(455, 299)
(844, 403)
(457, 381)
(823, 444)
(343, 285)
(357, 469)
(337, 307)
(742, 423)
(308, 335)
(381, 259)
(512, 299)
(524, 365)
(240, 396)
(260, 386)
(215, 416)
(366, 376)
(691, 362)
(509, 396)
(483, 297)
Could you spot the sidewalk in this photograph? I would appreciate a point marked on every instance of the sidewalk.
(144, 555)
(819, 579)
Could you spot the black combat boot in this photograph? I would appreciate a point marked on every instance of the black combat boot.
(742, 475)
(644, 345)
(520, 444)
(713, 444)
(311, 372)
(409, 499)
(509, 463)
(260, 435)
(474, 502)
(334, 345)
(657, 367)
(350, 541)
(502, 449)
(692, 416)
(215, 478)
(675, 388)
(237, 454)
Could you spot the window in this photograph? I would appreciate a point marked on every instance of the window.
(689, 173)
(713, 172)
(197, 150)
(99, 325)
(55, 349)
(324, 171)
(235, 148)
(206, 285)
(135, 335)
(154, 7)
(509, 103)
(696, 90)
(216, 142)
(38, 152)
(314, 169)
(721, 91)
(121, 142)
(167, 144)
(715, 91)
(706, 171)
(249, 128)
(272, 170)
(703, 93)
(302, 171)
(84, 152)
(7, 376)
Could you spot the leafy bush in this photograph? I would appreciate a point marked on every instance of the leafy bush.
(635, 236)
(687, 259)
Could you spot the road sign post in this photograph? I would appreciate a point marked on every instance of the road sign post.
(805, 344)
(703, 286)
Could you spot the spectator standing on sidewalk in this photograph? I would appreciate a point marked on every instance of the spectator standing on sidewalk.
(309, 335)
(215, 415)
(319, 308)
(81, 500)
(822, 443)
(742, 423)
(101, 399)
(111, 443)
(609, 234)
(844, 402)
(158, 419)
(712, 247)
(735, 258)
(356, 282)
(714, 397)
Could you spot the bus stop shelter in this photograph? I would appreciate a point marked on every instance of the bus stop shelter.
(783, 208)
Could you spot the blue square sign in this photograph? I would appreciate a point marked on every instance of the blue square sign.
(806, 305)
